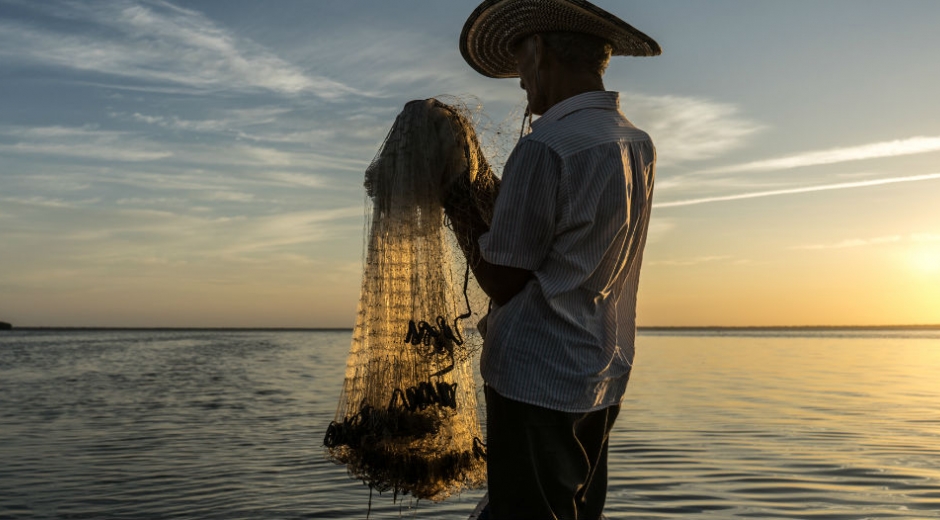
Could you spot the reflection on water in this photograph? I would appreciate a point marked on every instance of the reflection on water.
(840, 426)
(183, 424)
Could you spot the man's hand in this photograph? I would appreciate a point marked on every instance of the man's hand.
(499, 282)
(461, 161)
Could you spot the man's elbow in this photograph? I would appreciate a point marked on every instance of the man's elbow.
(503, 283)
(502, 295)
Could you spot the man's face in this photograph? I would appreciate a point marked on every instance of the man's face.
(527, 57)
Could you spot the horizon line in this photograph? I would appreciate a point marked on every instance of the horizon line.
(922, 326)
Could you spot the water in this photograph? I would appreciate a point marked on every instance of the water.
(228, 424)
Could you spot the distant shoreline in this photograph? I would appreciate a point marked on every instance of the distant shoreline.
(792, 327)
(776, 328)
(195, 329)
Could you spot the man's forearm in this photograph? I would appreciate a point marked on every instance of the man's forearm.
(468, 226)
(499, 282)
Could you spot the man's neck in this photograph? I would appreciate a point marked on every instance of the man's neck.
(567, 85)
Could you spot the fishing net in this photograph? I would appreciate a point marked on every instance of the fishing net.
(407, 416)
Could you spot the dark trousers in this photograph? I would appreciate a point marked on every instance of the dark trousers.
(544, 464)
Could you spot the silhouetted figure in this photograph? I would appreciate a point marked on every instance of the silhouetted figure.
(561, 257)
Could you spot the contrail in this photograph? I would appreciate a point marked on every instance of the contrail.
(806, 189)
(898, 147)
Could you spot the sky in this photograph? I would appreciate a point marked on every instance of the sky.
(200, 163)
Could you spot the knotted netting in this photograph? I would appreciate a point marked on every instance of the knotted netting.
(407, 416)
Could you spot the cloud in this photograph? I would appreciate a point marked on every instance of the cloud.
(47, 202)
(898, 147)
(690, 261)
(388, 59)
(188, 181)
(92, 232)
(925, 237)
(158, 43)
(285, 128)
(805, 189)
(737, 176)
(231, 120)
(82, 142)
(854, 242)
(296, 179)
(689, 129)
(229, 196)
(659, 228)
(109, 146)
(288, 229)
(242, 156)
(863, 242)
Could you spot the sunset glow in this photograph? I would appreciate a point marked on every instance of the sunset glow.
(925, 259)
(201, 164)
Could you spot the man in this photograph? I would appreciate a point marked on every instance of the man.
(561, 258)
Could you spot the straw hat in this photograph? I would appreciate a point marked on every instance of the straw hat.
(492, 29)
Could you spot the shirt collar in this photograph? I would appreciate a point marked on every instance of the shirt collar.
(595, 99)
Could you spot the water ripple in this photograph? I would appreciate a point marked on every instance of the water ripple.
(219, 425)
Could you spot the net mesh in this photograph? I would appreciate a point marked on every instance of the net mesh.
(407, 416)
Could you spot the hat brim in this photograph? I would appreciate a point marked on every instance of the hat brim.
(493, 28)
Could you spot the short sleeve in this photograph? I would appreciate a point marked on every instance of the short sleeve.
(524, 218)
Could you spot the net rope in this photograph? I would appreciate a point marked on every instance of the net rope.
(407, 415)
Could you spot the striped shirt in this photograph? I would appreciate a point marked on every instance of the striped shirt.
(573, 208)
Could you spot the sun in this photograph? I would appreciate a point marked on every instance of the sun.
(925, 259)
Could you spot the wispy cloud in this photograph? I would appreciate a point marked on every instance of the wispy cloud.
(925, 237)
(659, 229)
(296, 179)
(186, 190)
(853, 242)
(687, 128)
(110, 146)
(388, 59)
(47, 202)
(873, 241)
(898, 147)
(81, 142)
(690, 261)
(158, 43)
(347, 135)
(91, 231)
(231, 120)
(805, 189)
(289, 229)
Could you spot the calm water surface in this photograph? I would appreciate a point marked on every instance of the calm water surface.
(228, 424)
